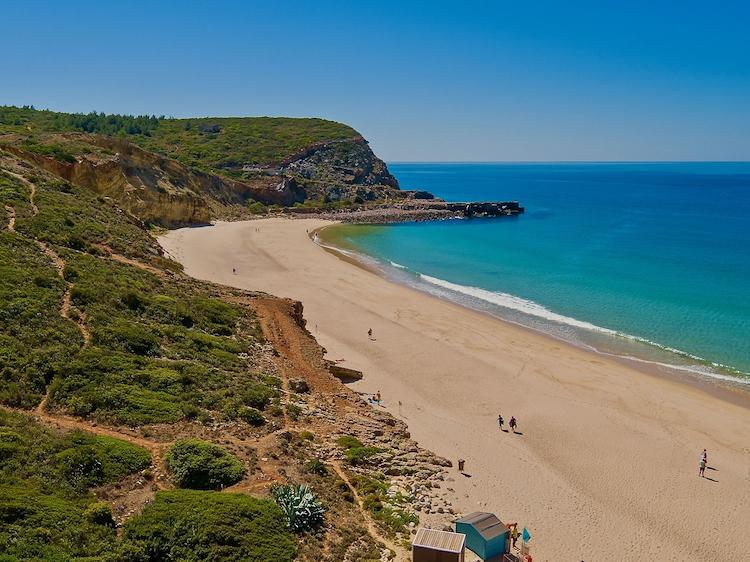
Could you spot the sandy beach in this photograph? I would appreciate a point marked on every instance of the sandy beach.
(605, 466)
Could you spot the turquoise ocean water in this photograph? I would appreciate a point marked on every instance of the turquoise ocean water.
(649, 261)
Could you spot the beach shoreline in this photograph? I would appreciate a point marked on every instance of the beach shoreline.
(604, 447)
(736, 392)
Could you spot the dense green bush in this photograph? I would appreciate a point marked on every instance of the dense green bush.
(203, 466)
(359, 455)
(46, 509)
(251, 416)
(256, 207)
(193, 526)
(348, 442)
(300, 505)
(99, 513)
(258, 395)
(316, 466)
(356, 453)
(127, 336)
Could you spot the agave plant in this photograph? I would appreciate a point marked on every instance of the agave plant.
(300, 505)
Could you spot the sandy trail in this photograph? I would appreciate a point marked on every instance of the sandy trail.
(11, 218)
(605, 465)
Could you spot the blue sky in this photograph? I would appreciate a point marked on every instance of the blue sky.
(427, 81)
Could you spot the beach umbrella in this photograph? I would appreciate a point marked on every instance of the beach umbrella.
(526, 536)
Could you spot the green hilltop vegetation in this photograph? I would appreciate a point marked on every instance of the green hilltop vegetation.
(161, 349)
(48, 510)
(99, 329)
(157, 348)
(203, 466)
(213, 144)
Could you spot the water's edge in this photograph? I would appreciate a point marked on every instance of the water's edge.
(721, 380)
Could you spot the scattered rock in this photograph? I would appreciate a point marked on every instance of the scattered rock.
(299, 386)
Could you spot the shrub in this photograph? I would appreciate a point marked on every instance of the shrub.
(202, 465)
(349, 441)
(129, 337)
(300, 505)
(80, 466)
(256, 207)
(119, 458)
(134, 301)
(258, 396)
(251, 416)
(191, 525)
(76, 242)
(384, 508)
(316, 466)
(99, 513)
(359, 455)
(293, 411)
(92, 460)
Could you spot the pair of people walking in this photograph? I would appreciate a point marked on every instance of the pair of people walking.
(513, 423)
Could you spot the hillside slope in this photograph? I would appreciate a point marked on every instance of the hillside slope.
(112, 361)
(186, 171)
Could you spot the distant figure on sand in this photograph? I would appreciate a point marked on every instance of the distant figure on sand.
(378, 396)
(513, 534)
(500, 421)
(234, 271)
(513, 423)
(702, 468)
(704, 456)
(369, 333)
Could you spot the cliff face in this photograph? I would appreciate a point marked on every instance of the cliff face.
(342, 170)
(156, 189)
(178, 172)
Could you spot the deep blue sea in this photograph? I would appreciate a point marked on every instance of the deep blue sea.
(644, 260)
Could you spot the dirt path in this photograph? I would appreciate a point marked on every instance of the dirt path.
(300, 357)
(58, 262)
(32, 197)
(128, 261)
(32, 190)
(11, 218)
(69, 423)
(66, 305)
(295, 344)
(372, 529)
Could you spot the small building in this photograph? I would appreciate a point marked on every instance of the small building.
(431, 545)
(486, 535)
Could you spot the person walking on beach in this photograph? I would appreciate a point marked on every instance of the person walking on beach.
(513, 534)
(513, 423)
(369, 333)
(702, 468)
(234, 271)
(704, 457)
(500, 421)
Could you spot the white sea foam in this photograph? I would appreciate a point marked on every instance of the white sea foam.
(537, 310)
(516, 303)
(531, 308)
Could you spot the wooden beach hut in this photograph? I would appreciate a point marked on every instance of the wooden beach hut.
(431, 545)
(486, 535)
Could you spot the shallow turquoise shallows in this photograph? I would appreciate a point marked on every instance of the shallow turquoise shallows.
(645, 260)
